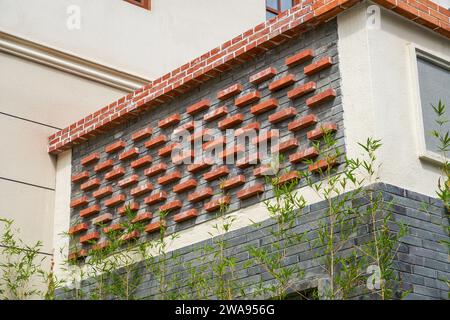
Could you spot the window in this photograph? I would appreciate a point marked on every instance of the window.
(275, 7)
(432, 83)
(146, 4)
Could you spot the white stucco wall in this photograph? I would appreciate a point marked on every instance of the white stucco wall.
(379, 93)
(129, 38)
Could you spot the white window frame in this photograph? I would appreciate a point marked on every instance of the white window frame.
(441, 60)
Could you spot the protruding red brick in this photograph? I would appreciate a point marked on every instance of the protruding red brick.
(262, 170)
(80, 177)
(201, 195)
(113, 228)
(142, 217)
(104, 166)
(114, 147)
(157, 141)
(303, 122)
(79, 202)
(322, 97)
(133, 235)
(133, 152)
(169, 121)
(156, 198)
(141, 134)
(198, 107)
(189, 126)
(155, 169)
(289, 177)
(169, 178)
(141, 162)
(90, 159)
(230, 91)
(81, 227)
(114, 201)
(171, 206)
(301, 90)
(216, 114)
(132, 206)
(233, 182)
(216, 173)
(214, 143)
(100, 246)
(265, 135)
(247, 99)
(196, 167)
(251, 127)
(299, 57)
(90, 237)
(185, 186)
(282, 115)
(186, 215)
(103, 192)
(216, 204)
(306, 154)
(104, 218)
(200, 135)
(321, 131)
(231, 122)
(264, 106)
(318, 66)
(115, 173)
(155, 226)
(77, 255)
(128, 181)
(233, 151)
(167, 150)
(90, 211)
(250, 191)
(263, 75)
(140, 190)
(248, 160)
(322, 165)
(285, 145)
(91, 184)
(183, 157)
(282, 82)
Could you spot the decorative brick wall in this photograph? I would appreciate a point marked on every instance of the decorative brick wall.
(294, 88)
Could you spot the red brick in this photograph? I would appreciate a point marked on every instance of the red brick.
(90, 159)
(299, 58)
(133, 152)
(282, 115)
(216, 204)
(199, 107)
(216, 114)
(140, 190)
(141, 162)
(91, 184)
(90, 237)
(114, 201)
(265, 135)
(318, 66)
(159, 140)
(103, 192)
(264, 106)
(169, 121)
(300, 91)
(306, 154)
(263, 75)
(155, 226)
(186, 215)
(80, 254)
(155, 169)
(201, 195)
(185, 186)
(231, 122)
(232, 151)
(200, 135)
(248, 160)
(246, 99)
(81, 227)
(133, 235)
(286, 145)
(104, 166)
(155, 198)
(250, 191)
(104, 218)
(233, 182)
(322, 165)
(216, 173)
(282, 83)
(189, 126)
(80, 177)
(320, 132)
(196, 167)
(132, 206)
(289, 177)
(169, 178)
(229, 92)
(171, 206)
(251, 127)
(167, 150)
(214, 143)
(303, 122)
(326, 95)
(141, 134)
(262, 170)
(116, 146)
(183, 157)
(100, 246)
(115, 173)
(113, 228)
(79, 202)
(145, 216)
(128, 181)
(90, 211)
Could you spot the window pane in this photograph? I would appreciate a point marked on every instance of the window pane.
(434, 83)
(286, 5)
(270, 15)
(272, 3)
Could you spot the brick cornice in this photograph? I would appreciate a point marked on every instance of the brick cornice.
(244, 47)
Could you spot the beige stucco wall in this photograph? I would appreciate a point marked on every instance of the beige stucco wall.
(129, 38)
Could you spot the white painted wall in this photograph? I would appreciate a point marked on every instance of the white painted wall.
(378, 93)
(129, 38)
